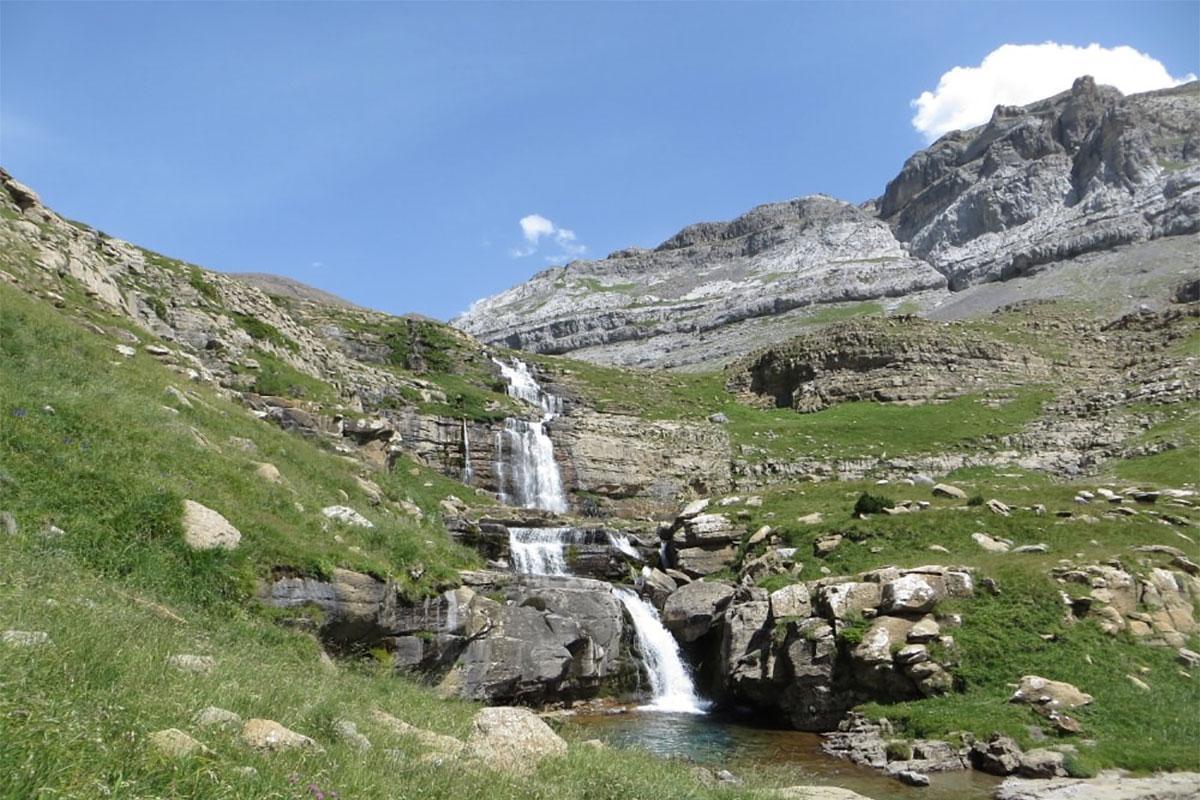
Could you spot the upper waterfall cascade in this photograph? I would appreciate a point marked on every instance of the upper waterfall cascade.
(526, 473)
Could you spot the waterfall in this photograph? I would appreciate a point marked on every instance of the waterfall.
(467, 472)
(541, 551)
(621, 542)
(526, 473)
(670, 681)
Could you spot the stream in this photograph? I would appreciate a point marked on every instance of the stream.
(783, 757)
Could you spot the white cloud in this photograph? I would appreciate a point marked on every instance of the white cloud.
(1017, 74)
(535, 228)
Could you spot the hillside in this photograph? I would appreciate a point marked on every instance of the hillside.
(1037, 189)
(226, 504)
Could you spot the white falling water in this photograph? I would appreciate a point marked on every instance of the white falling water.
(467, 472)
(526, 473)
(540, 551)
(670, 681)
(621, 542)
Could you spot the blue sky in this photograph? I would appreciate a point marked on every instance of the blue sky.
(388, 152)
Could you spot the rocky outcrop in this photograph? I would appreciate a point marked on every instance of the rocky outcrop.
(887, 360)
(1157, 605)
(615, 456)
(809, 651)
(1085, 170)
(774, 258)
(498, 639)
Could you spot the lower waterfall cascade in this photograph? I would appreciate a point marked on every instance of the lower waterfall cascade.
(670, 681)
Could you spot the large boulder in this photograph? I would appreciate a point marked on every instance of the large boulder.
(791, 601)
(745, 646)
(692, 609)
(840, 601)
(1111, 785)
(513, 740)
(908, 594)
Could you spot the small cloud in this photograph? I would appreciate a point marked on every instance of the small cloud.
(318, 264)
(534, 227)
(1017, 74)
(537, 230)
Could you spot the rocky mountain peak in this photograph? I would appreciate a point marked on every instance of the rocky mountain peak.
(1085, 170)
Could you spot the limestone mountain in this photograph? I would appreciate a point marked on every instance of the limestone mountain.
(1083, 171)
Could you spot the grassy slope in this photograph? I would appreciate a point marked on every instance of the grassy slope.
(110, 466)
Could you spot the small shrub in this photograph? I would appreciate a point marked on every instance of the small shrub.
(854, 629)
(975, 500)
(872, 504)
(1080, 765)
(898, 750)
(207, 290)
(158, 307)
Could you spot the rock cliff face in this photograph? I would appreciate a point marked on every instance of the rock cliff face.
(1083, 171)
(497, 638)
(772, 259)
(892, 360)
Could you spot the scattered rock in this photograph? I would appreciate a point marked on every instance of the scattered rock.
(946, 490)
(1189, 658)
(1036, 690)
(25, 638)
(269, 736)
(269, 473)
(205, 529)
(1032, 548)
(178, 396)
(912, 778)
(1138, 682)
(818, 793)
(185, 662)
(827, 544)
(691, 610)
(347, 731)
(988, 543)
(910, 594)
(126, 350)
(810, 519)
(214, 717)
(8, 523)
(347, 516)
(1042, 763)
(438, 743)
(999, 755)
(174, 743)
